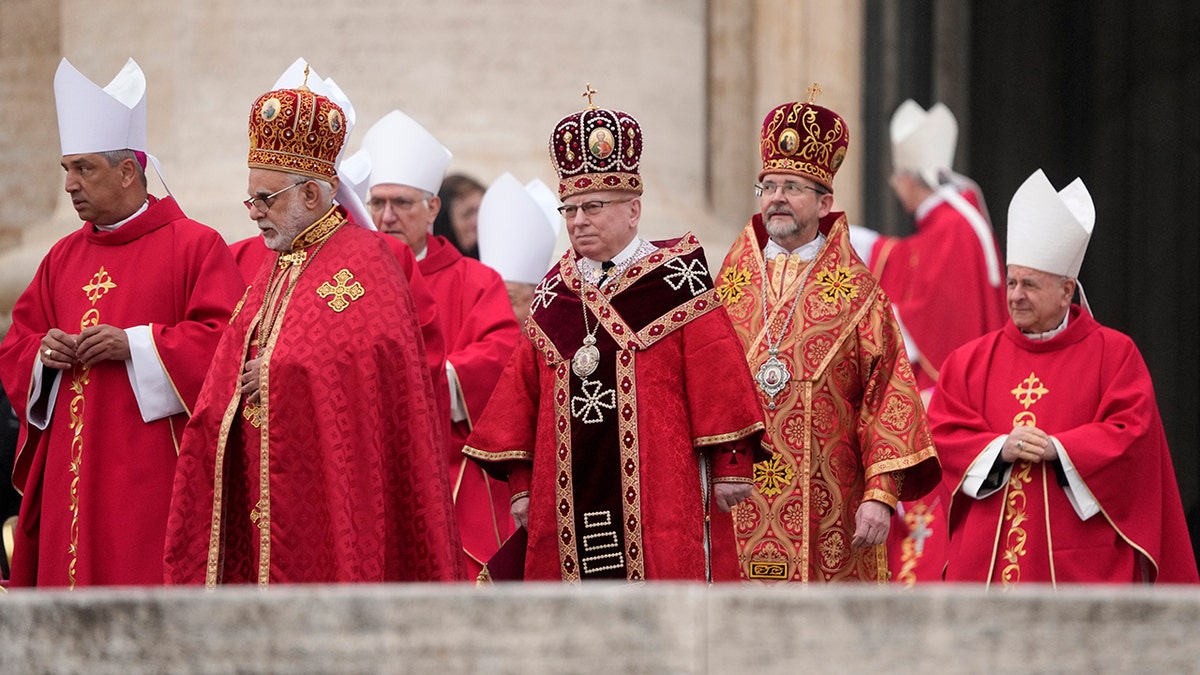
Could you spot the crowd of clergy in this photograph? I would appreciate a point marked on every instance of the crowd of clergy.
(395, 380)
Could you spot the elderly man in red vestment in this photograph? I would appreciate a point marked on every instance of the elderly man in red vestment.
(403, 166)
(107, 351)
(844, 419)
(953, 240)
(1054, 450)
(251, 253)
(308, 456)
(626, 423)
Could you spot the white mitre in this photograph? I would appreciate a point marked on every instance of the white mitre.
(301, 73)
(1049, 230)
(402, 152)
(93, 119)
(518, 228)
(923, 141)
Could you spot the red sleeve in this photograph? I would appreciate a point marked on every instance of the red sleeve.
(209, 288)
(486, 338)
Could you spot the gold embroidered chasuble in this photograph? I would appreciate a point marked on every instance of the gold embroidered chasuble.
(847, 427)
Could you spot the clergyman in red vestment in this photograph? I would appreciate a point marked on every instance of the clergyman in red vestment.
(107, 351)
(945, 282)
(1053, 446)
(404, 166)
(626, 423)
(845, 422)
(308, 458)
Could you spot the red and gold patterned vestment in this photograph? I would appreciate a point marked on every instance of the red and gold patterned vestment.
(337, 474)
(848, 426)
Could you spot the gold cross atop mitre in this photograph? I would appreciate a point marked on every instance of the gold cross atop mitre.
(813, 92)
(588, 93)
(304, 85)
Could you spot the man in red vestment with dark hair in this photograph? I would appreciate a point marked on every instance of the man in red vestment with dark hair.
(107, 351)
(844, 419)
(402, 166)
(310, 455)
(1048, 428)
(625, 424)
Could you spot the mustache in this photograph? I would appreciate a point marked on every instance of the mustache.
(782, 209)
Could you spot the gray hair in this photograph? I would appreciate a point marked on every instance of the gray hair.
(115, 157)
(325, 186)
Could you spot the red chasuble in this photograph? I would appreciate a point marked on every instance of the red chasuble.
(937, 279)
(481, 333)
(619, 462)
(847, 426)
(335, 475)
(97, 481)
(252, 253)
(1089, 388)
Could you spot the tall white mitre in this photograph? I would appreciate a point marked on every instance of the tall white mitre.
(518, 229)
(1049, 230)
(93, 119)
(923, 141)
(347, 194)
(399, 150)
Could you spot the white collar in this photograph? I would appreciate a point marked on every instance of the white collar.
(619, 259)
(807, 252)
(114, 226)
(1040, 337)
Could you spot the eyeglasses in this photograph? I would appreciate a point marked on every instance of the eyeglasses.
(589, 208)
(790, 189)
(399, 204)
(264, 203)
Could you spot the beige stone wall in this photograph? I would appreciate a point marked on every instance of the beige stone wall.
(489, 79)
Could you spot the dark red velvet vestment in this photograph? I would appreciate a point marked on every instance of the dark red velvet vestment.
(619, 464)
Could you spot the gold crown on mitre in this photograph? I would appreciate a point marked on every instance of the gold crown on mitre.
(923, 141)
(298, 131)
(1049, 229)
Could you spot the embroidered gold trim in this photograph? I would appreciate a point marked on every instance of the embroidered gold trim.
(631, 468)
(564, 485)
(496, 456)
(726, 438)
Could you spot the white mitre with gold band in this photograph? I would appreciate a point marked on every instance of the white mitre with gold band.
(1049, 229)
(923, 141)
(300, 73)
(403, 152)
(95, 119)
(517, 232)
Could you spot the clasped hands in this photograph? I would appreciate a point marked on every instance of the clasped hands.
(1028, 444)
(102, 342)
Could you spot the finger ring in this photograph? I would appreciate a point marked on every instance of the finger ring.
(47, 352)
(1020, 446)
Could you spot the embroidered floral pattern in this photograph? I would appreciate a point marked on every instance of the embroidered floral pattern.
(836, 285)
(734, 282)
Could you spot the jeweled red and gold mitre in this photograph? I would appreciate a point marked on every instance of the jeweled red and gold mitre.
(296, 131)
(596, 149)
(805, 139)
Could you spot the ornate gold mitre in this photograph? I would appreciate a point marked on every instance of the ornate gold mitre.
(296, 131)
